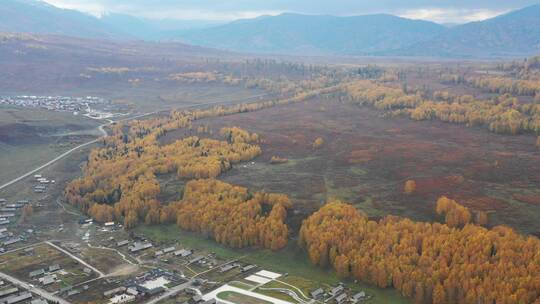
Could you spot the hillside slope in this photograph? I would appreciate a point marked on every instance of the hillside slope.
(514, 34)
(307, 34)
(28, 16)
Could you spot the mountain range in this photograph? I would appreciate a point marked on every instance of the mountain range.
(515, 34)
(38, 17)
(306, 34)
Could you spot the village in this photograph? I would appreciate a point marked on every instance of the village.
(13, 293)
(86, 266)
(53, 103)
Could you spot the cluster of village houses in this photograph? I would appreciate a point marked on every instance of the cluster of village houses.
(48, 275)
(54, 103)
(42, 183)
(8, 211)
(339, 294)
(11, 294)
(146, 285)
(131, 290)
(154, 282)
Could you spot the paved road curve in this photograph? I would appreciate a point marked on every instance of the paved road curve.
(42, 293)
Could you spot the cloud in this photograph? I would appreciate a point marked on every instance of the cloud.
(193, 14)
(95, 9)
(451, 15)
(162, 11)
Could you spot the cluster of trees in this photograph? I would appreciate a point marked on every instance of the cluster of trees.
(253, 68)
(452, 78)
(318, 143)
(27, 211)
(231, 215)
(457, 215)
(370, 72)
(195, 77)
(238, 135)
(409, 187)
(382, 97)
(504, 85)
(503, 114)
(119, 180)
(431, 262)
(524, 81)
(278, 160)
(518, 67)
(282, 79)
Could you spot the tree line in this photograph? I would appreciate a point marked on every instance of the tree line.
(430, 262)
(504, 85)
(504, 114)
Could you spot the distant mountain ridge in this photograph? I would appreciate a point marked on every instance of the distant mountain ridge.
(516, 34)
(513, 34)
(38, 17)
(41, 18)
(316, 34)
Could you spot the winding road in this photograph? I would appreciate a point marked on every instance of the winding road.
(76, 258)
(35, 290)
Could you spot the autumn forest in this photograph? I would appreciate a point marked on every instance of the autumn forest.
(456, 250)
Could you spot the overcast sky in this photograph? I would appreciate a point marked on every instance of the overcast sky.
(443, 11)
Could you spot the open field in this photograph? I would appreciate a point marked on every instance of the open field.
(366, 160)
(239, 298)
(31, 137)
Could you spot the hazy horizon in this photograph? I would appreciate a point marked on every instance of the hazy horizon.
(437, 11)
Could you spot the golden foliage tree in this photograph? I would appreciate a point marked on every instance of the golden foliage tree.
(455, 214)
(481, 218)
(505, 114)
(431, 262)
(27, 211)
(232, 215)
(410, 187)
(278, 160)
(318, 143)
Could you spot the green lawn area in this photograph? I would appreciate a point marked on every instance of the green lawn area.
(276, 294)
(292, 260)
(239, 298)
(303, 284)
(240, 284)
(286, 297)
